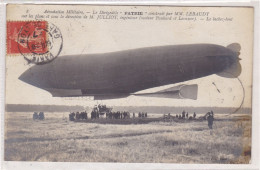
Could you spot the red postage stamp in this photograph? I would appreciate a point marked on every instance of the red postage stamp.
(26, 37)
(38, 41)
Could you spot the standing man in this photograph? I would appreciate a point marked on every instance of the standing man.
(210, 120)
(35, 116)
(194, 115)
(183, 114)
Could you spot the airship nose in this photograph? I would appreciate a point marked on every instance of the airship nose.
(30, 76)
(35, 76)
(27, 77)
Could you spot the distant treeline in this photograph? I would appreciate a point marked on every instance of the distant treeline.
(43, 108)
(171, 109)
(149, 109)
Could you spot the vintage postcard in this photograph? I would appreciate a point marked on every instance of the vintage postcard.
(128, 84)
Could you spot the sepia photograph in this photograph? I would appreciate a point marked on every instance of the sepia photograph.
(128, 84)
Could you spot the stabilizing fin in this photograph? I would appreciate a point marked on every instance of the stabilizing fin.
(234, 47)
(177, 92)
(232, 72)
(235, 69)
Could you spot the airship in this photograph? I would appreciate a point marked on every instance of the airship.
(124, 73)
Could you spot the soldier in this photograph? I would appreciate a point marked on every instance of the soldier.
(134, 115)
(81, 115)
(183, 114)
(212, 113)
(145, 115)
(77, 116)
(176, 116)
(41, 116)
(72, 116)
(210, 120)
(84, 115)
(207, 115)
(35, 116)
(194, 115)
(187, 115)
(115, 115)
(93, 114)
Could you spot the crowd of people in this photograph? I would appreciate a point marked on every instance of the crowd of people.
(209, 116)
(78, 115)
(142, 114)
(118, 115)
(96, 114)
(185, 115)
(104, 112)
(37, 116)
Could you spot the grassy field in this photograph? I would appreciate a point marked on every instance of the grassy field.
(57, 139)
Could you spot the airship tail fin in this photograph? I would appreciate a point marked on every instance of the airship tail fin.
(177, 92)
(232, 72)
(234, 47)
(235, 69)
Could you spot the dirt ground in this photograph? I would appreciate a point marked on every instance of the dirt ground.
(58, 139)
